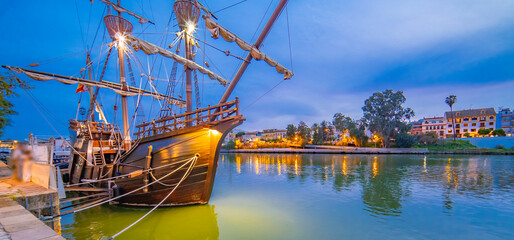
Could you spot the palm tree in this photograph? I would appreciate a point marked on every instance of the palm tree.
(450, 100)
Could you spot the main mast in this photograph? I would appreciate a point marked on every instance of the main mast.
(187, 13)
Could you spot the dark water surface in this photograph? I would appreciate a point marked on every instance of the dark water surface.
(275, 196)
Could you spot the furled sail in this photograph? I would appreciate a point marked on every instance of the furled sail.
(216, 30)
(116, 87)
(150, 49)
(142, 20)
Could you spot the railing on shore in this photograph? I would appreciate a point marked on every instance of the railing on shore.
(211, 114)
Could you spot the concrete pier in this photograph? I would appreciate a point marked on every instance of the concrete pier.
(21, 204)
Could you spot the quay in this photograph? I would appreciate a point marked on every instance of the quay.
(359, 150)
(21, 203)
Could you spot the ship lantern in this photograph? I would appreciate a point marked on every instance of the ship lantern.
(117, 25)
(187, 13)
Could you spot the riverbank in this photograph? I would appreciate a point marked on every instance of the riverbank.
(349, 150)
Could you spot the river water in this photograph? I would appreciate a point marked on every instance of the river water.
(277, 196)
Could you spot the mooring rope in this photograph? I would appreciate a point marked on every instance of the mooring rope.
(126, 175)
(193, 159)
(186, 174)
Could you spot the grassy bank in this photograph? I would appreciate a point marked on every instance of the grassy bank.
(458, 145)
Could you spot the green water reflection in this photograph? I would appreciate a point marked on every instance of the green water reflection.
(274, 196)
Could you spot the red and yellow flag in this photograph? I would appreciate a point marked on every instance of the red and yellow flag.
(80, 88)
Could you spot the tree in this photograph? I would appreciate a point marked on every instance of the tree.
(291, 131)
(304, 132)
(343, 123)
(484, 131)
(240, 134)
(385, 115)
(316, 135)
(346, 124)
(8, 84)
(467, 134)
(404, 140)
(359, 133)
(320, 132)
(450, 100)
(499, 132)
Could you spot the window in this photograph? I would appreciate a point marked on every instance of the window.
(474, 124)
(482, 111)
(465, 130)
(426, 128)
(465, 124)
(482, 124)
(450, 131)
(491, 118)
(449, 125)
(457, 114)
(457, 126)
(482, 118)
(473, 130)
(457, 131)
(466, 119)
(491, 123)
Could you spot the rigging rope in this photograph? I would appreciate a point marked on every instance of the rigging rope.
(186, 174)
(227, 7)
(80, 25)
(125, 194)
(259, 98)
(52, 126)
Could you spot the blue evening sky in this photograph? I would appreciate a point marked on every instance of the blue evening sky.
(343, 51)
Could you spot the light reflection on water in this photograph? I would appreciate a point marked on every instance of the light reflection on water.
(286, 196)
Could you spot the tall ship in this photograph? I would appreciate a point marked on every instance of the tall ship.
(170, 159)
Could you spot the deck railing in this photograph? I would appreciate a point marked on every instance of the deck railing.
(211, 114)
(93, 126)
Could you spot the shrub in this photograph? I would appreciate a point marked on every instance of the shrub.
(484, 131)
(231, 145)
(499, 132)
(427, 138)
(499, 146)
(467, 135)
(404, 140)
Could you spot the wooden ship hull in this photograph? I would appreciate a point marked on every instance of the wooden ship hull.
(175, 148)
(165, 145)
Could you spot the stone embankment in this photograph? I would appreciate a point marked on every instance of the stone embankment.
(20, 206)
(311, 149)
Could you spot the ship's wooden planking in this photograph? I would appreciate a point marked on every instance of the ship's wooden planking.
(168, 148)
